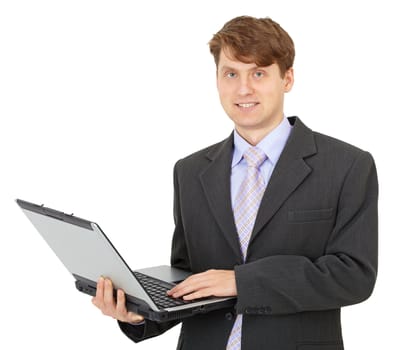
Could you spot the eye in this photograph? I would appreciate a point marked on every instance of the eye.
(259, 74)
(230, 74)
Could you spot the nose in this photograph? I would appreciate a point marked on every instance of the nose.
(245, 87)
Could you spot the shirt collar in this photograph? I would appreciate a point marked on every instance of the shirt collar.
(272, 144)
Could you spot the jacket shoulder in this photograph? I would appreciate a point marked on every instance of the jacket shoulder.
(345, 155)
(335, 146)
(202, 156)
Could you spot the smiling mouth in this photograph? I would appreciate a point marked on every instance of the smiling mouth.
(247, 105)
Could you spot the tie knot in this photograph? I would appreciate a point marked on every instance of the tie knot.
(254, 157)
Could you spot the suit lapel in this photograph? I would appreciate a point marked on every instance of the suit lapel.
(215, 180)
(289, 173)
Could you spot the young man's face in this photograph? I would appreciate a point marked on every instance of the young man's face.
(252, 96)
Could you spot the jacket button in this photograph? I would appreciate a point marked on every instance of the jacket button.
(229, 316)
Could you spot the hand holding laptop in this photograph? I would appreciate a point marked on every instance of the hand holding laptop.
(105, 301)
(212, 282)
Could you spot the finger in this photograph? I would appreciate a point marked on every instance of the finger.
(98, 299)
(121, 307)
(180, 285)
(187, 285)
(194, 286)
(183, 291)
(202, 293)
(134, 318)
(122, 313)
(108, 295)
(180, 289)
(100, 288)
(173, 290)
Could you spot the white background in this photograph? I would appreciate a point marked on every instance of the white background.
(98, 99)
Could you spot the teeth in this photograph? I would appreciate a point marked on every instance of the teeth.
(246, 105)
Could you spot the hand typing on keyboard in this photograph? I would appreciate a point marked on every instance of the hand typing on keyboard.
(219, 283)
(105, 301)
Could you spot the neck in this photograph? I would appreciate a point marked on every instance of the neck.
(255, 135)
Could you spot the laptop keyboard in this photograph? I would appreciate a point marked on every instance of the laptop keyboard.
(157, 290)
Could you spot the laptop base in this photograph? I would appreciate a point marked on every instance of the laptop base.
(140, 307)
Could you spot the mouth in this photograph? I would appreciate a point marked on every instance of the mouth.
(247, 105)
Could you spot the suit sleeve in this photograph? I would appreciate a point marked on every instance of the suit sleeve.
(345, 275)
(146, 330)
(179, 251)
(179, 259)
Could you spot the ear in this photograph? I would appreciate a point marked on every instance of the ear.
(288, 80)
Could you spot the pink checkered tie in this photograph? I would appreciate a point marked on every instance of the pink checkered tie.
(245, 209)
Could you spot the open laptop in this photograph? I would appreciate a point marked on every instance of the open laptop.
(87, 253)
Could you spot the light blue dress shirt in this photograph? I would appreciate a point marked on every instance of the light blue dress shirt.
(272, 145)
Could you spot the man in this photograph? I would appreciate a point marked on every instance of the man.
(280, 216)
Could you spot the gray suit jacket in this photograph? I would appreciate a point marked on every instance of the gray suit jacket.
(313, 248)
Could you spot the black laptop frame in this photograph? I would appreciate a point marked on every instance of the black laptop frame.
(133, 304)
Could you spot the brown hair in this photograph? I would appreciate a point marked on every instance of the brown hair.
(258, 40)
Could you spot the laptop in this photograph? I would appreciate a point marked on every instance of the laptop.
(88, 253)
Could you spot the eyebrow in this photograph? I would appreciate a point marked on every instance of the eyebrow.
(225, 68)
